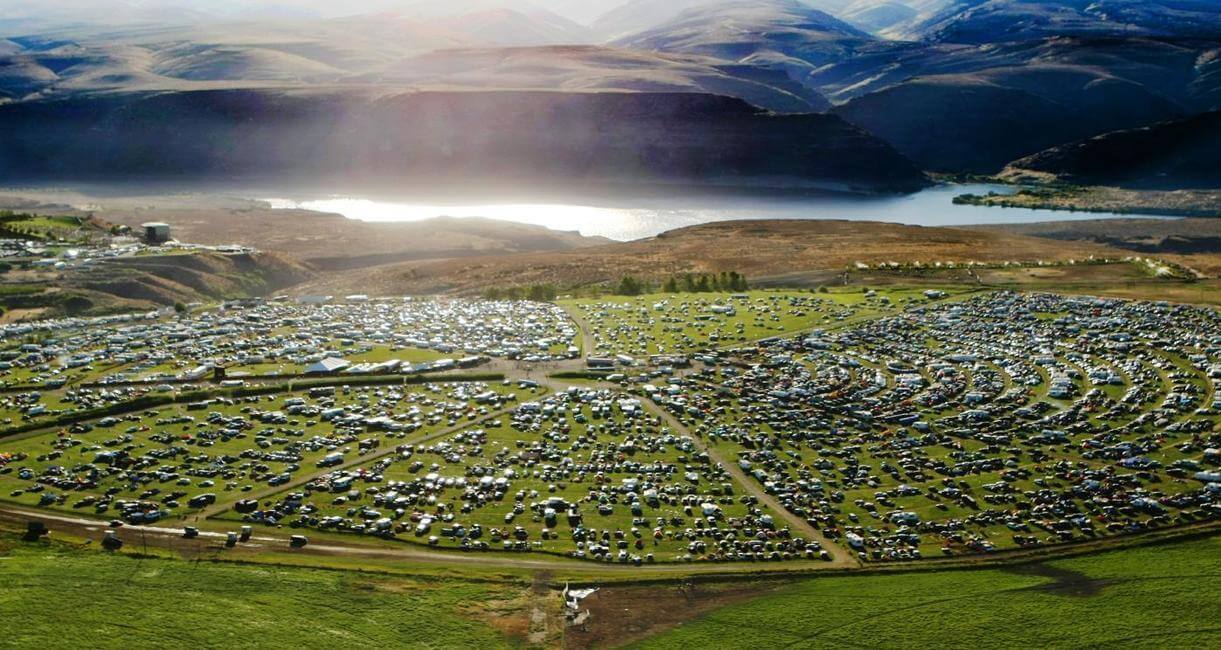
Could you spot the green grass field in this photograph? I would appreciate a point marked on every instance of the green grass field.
(56, 596)
(1154, 597)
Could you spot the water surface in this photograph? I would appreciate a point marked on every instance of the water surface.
(626, 218)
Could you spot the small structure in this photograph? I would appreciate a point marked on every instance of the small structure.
(572, 604)
(156, 232)
(111, 541)
(34, 531)
(327, 366)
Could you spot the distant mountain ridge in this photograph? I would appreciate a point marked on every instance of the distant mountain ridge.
(508, 136)
(952, 85)
(991, 21)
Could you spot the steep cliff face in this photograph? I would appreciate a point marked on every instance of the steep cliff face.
(1179, 154)
(517, 136)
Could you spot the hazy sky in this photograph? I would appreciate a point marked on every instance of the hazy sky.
(90, 9)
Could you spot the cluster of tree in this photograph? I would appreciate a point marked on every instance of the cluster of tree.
(690, 283)
(686, 283)
(631, 286)
(535, 292)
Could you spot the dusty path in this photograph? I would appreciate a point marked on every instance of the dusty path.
(171, 538)
(587, 338)
(212, 544)
(840, 558)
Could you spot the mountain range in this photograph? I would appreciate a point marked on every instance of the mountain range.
(951, 85)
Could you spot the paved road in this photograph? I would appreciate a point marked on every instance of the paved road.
(587, 337)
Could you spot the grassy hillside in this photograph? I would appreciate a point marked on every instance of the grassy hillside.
(1131, 598)
(145, 282)
(127, 602)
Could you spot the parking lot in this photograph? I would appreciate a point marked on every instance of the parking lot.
(877, 425)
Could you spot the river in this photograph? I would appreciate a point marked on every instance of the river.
(627, 218)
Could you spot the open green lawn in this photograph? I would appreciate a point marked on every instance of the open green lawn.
(1154, 597)
(43, 227)
(56, 596)
(61, 595)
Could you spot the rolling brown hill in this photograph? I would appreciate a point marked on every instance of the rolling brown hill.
(758, 249)
(142, 283)
(333, 242)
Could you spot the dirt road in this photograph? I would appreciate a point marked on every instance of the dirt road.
(171, 538)
(840, 558)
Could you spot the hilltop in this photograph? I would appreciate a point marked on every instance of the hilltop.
(342, 138)
(758, 249)
(951, 85)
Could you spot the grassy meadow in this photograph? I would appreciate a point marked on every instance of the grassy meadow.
(1154, 597)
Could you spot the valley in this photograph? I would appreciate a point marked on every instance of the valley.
(610, 323)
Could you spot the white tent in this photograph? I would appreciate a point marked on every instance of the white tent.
(327, 366)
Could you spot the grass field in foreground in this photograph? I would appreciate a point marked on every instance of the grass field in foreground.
(60, 595)
(56, 596)
(1154, 597)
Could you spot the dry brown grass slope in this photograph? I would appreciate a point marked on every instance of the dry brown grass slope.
(755, 248)
(330, 241)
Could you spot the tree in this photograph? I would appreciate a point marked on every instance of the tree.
(77, 305)
(541, 292)
(671, 285)
(689, 283)
(630, 286)
(737, 282)
(180, 307)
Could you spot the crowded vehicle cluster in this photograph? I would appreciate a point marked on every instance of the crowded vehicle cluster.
(170, 462)
(584, 472)
(875, 426)
(283, 337)
(1003, 421)
(666, 324)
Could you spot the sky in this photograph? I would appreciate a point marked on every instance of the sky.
(89, 9)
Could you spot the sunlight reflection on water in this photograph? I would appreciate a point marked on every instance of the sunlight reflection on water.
(931, 207)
